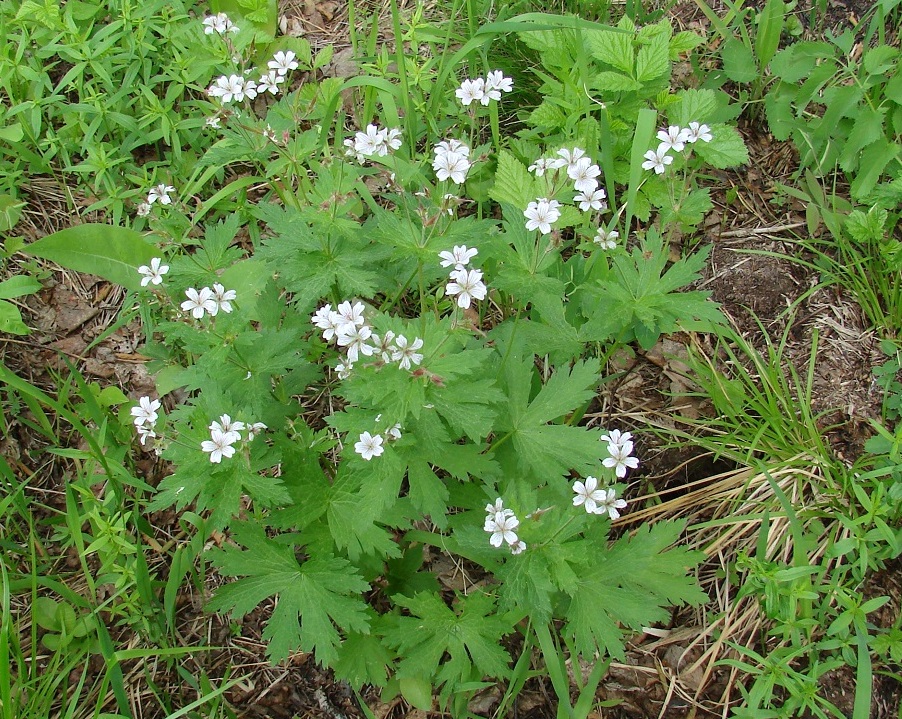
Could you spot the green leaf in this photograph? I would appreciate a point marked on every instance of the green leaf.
(547, 114)
(514, 184)
(684, 42)
(653, 59)
(362, 659)
(316, 598)
(11, 319)
(18, 286)
(609, 81)
(879, 60)
(613, 48)
(868, 128)
(867, 227)
(693, 106)
(726, 148)
(631, 584)
(12, 133)
(10, 212)
(113, 253)
(417, 692)
(738, 61)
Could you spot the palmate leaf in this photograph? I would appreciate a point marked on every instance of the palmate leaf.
(629, 585)
(469, 634)
(315, 598)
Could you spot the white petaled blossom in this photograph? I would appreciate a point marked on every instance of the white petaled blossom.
(350, 314)
(353, 339)
(233, 87)
(220, 445)
(541, 214)
(384, 345)
(588, 495)
(501, 526)
(606, 239)
(270, 83)
(374, 141)
(143, 209)
(226, 424)
(696, 132)
(393, 433)
(518, 547)
(583, 174)
(495, 84)
(498, 506)
(611, 505)
(620, 459)
(153, 274)
(282, 62)
(392, 138)
(223, 298)
(467, 285)
(328, 321)
(406, 354)
(219, 23)
(540, 166)
(213, 122)
(145, 433)
(460, 256)
(451, 166)
(673, 138)
(470, 91)
(343, 369)
(369, 446)
(160, 193)
(199, 302)
(146, 411)
(591, 200)
(569, 157)
(616, 437)
(657, 160)
(452, 145)
(256, 428)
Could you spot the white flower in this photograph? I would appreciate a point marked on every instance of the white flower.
(495, 84)
(200, 302)
(255, 429)
(583, 174)
(350, 315)
(146, 411)
(351, 150)
(154, 273)
(468, 285)
(501, 526)
(610, 504)
(518, 547)
(591, 200)
(539, 166)
(369, 446)
(160, 193)
(616, 437)
(282, 62)
(393, 433)
(568, 157)
(657, 160)
(328, 321)
(406, 354)
(470, 90)
(270, 83)
(620, 458)
(223, 298)
(460, 256)
(697, 132)
(456, 146)
(145, 433)
(588, 494)
(213, 122)
(541, 214)
(219, 445)
(368, 143)
(606, 239)
(227, 425)
(497, 508)
(143, 209)
(233, 87)
(451, 165)
(354, 339)
(383, 346)
(392, 138)
(673, 138)
(343, 369)
(218, 23)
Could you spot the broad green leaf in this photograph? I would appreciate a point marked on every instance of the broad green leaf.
(10, 211)
(693, 106)
(315, 598)
(868, 128)
(653, 60)
(867, 227)
(609, 81)
(18, 286)
(113, 253)
(726, 148)
(684, 42)
(12, 133)
(514, 184)
(612, 48)
(880, 60)
(738, 61)
(362, 659)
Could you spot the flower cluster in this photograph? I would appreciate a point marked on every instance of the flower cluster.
(209, 301)
(153, 274)
(219, 23)
(157, 193)
(224, 434)
(501, 523)
(582, 172)
(484, 90)
(347, 326)
(452, 161)
(374, 142)
(620, 447)
(595, 500)
(466, 284)
(234, 88)
(674, 138)
(145, 417)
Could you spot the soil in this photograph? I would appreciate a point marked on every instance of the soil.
(765, 296)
